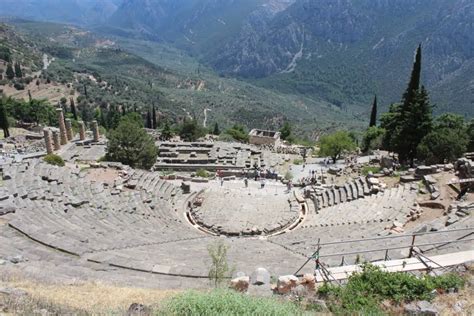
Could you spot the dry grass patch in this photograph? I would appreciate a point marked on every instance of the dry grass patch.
(93, 298)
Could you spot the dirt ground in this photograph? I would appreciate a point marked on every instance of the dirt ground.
(102, 175)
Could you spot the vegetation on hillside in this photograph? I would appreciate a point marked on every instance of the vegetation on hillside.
(365, 291)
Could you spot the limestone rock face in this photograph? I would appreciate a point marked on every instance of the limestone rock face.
(286, 283)
(240, 284)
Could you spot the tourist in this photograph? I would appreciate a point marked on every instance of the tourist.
(262, 184)
(246, 182)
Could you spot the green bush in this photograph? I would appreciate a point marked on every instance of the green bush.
(54, 160)
(366, 290)
(373, 169)
(298, 162)
(202, 173)
(226, 302)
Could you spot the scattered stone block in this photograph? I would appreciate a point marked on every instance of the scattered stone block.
(407, 178)
(435, 195)
(421, 308)
(286, 283)
(425, 170)
(139, 310)
(260, 276)
(451, 220)
(309, 282)
(240, 284)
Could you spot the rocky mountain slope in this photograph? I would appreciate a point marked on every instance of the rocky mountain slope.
(341, 51)
(336, 51)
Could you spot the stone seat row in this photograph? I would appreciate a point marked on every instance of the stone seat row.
(357, 189)
(391, 205)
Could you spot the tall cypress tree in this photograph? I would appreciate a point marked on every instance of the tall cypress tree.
(18, 72)
(9, 72)
(414, 84)
(154, 117)
(216, 130)
(148, 119)
(373, 115)
(406, 124)
(4, 119)
(73, 108)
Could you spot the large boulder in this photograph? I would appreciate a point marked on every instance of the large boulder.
(240, 284)
(139, 310)
(286, 283)
(309, 282)
(421, 308)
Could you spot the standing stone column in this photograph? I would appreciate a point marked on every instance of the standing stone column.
(47, 141)
(95, 131)
(56, 140)
(68, 129)
(82, 130)
(62, 126)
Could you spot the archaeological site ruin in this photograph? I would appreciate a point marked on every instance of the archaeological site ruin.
(106, 221)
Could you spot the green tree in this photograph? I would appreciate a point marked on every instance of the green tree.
(131, 145)
(18, 71)
(408, 123)
(149, 122)
(166, 132)
(470, 135)
(285, 131)
(219, 269)
(335, 144)
(190, 131)
(372, 138)
(415, 80)
(216, 131)
(238, 133)
(153, 118)
(373, 114)
(4, 118)
(73, 108)
(446, 142)
(9, 72)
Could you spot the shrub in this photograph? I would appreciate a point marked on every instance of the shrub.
(219, 269)
(202, 173)
(298, 162)
(54, 160)
(373, 169)
(226, 302)
(366, 290)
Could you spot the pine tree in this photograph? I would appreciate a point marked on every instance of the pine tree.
(73, 108)
(18, 72)
(4, 119)
(373, 115)
(154, 118)
(216, 130)
(9, 72)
